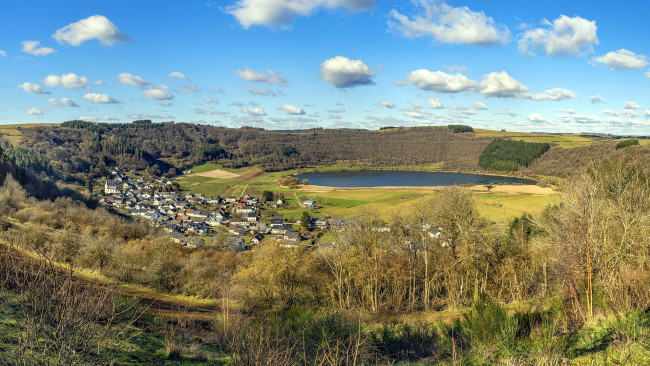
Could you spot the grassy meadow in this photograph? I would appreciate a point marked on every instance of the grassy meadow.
(342, 202)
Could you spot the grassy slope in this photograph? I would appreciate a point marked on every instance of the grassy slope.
(566, 141)
(12, 134)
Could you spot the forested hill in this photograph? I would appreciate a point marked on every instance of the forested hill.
(84, 149)
(77, 146)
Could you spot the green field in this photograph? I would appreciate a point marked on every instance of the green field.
(562, 140)
(496, 207)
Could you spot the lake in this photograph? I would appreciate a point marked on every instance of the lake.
(393, 178)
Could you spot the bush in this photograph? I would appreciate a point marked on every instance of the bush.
(460, 128)
(626, 143)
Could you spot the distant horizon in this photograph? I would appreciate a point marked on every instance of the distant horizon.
(555, 67)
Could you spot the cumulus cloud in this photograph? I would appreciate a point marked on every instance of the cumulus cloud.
(343, 72)
(63, 102)
(629, 113)
(206, 112)
(631, 105)
(99, 98)
(479, 106)
(99, 82)
(506, 112)
(647, 113)
(104, 118)
(176, 74)
(501, 85)
(150, 116)
(265, 92)
(536, 118)
(386, 104)
(210, 100)
(435, 103)
(622, 60)
(189, 89)
(34, 111)
(563, 37)
(33, 88)
(439, 81)
(157, 93)
(292, 109)
(271, 77)
(554, 94)
(275, 13)
(597, 99)
(3, 53)
(94, 27)
(448, 24)
(254, 111)
(128, 79)
(610, 112)
(35, 48)
(581, 118)
(71, 80)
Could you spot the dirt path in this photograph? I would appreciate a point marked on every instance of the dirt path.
(246, 186)
(298, 200)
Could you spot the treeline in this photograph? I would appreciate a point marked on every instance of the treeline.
(80, 148)
(460, 128)
(509, 155)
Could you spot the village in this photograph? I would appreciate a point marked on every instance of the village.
(195, 220)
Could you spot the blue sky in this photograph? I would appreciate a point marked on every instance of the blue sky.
(554, 66)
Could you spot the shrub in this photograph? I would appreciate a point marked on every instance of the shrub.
(626, 143)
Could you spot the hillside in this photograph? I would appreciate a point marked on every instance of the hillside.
(85, 150)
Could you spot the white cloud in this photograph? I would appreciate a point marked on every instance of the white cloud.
(563, 37)
(614, 120)
(501, 85)
(506, 112)
(157, 93)
(439, 81)
(63, 102)
(568, 110)
(34, 111)
(35, 48)
(629, 113)
(631, 105)
(251, 75)
(647, 113)
(210, 100)
(343, 72)
(292, 109)
(266, 92)
(597, 99)
(448, 24)
(647, 74)
(94, 27)
(386, 104)
(610, 112)
(254, 111)
(99, 82)
(479, 105)
(189, 89)
(206, 112)
(33, 88)
(275, 13)
(3, 53)
(104, 118)
(176, 74)
(128, 79)
(554, 94)
(622, 60)
(435, 103)
(99, 98)
(536, 118)
(150, 116)
(581, 118)
(71, 80)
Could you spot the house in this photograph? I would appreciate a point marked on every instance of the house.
(235, 244)
(244, 209)
(309, 203)
(251, 217)
(320, 223)
(231, 199)
(177, 237)
(110, 189)
(195, 242)
(257, 239)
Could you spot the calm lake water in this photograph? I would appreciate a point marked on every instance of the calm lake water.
(386, 178)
